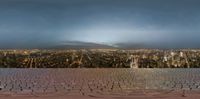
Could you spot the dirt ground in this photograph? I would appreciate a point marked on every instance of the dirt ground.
(137, 94)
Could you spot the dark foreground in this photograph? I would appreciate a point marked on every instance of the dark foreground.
(99, 83)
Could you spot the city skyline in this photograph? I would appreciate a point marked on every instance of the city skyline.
(117, 23)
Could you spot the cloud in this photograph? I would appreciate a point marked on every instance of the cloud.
(37, 22)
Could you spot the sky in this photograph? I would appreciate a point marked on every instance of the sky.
(156, 23)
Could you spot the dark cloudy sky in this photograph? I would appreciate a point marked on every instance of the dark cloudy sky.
(160, 23)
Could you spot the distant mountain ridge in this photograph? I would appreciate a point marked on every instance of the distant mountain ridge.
(93, 45)
(90, 45)
(80, 45)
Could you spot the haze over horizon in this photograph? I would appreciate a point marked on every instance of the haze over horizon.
(151, 23)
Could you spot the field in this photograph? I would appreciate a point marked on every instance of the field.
(99, 83)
